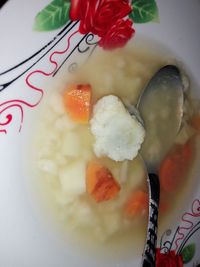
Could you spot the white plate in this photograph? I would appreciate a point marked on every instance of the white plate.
(25, 239)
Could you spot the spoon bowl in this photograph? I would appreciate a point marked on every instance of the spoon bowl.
(161, 108)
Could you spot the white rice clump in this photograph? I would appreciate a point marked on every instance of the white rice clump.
(118, 135)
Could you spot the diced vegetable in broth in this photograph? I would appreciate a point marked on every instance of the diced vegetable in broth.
(72, 178)
(77, 100)
(70, 144)
(100, 183)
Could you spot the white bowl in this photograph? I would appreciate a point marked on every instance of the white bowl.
(26, 238)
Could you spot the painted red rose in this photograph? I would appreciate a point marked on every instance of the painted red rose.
(98, 16)
(118, 35)
(169, 259)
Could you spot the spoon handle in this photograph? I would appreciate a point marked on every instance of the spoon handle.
(149, 254)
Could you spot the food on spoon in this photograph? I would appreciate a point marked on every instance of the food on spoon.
(118, 135)
(77, 100)
(100, 183)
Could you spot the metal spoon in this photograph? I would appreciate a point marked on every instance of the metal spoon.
(161, 108)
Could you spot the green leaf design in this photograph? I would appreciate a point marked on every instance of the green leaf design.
(188, 253)
(53, 16)
(144, 11)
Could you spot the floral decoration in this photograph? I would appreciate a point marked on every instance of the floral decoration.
(176, 243)
(169, 259)
(98, 16)
(111, 20)
(104, 18)
(117, 35)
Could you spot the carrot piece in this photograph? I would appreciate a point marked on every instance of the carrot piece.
(137, 204)
(195, 122)
(174, 167)
(100, 183)
(77, 100)
(164, 203)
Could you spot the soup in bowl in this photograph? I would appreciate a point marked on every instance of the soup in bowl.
(87, 151)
